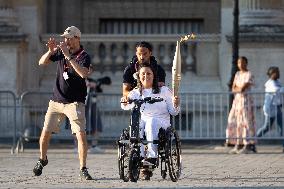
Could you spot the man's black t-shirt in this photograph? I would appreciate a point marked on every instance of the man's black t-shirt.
(69, 86)
(133, 66)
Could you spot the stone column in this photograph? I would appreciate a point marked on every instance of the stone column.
(167, 59)
(156, 52)
(119, 59)
(262, 36)
(107, 60)
(261, 16)
(189, 57)
(12, 48)
(96, 59)
(5, 3)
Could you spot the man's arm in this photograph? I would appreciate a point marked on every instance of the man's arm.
(161, 75)
(52, 47)
(80, 70)
(126, 88)
(128, 80)
(44, 60)
(160, 84)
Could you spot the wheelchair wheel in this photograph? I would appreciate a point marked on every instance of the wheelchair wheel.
(161, 151)
(134, 165)
(173, 153)
(123, 158)
(163, 169)
(123, 162)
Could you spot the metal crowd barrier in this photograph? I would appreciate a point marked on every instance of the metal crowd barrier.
(8, 128)
(33, 109)
(33, 106)
(203, 117)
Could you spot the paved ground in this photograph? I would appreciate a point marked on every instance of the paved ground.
(203, 166)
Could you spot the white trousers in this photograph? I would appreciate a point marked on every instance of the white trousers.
(150, 126)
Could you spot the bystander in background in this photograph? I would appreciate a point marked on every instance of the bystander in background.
(93, 116)
(272, 107)
(241, 121)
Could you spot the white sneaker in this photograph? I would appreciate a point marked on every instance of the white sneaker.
(235, 150)
(146, 163)
(96, 150)
(245, 150)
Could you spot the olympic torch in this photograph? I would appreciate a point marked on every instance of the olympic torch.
(176, 69)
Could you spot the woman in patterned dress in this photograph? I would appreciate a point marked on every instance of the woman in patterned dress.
(241, 122)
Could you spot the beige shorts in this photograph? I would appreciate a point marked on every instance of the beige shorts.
(56, 113)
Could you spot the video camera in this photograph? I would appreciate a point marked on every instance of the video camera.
(100, 81)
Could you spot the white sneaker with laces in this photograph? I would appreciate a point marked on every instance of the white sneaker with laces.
(95, 150)
(146, 163)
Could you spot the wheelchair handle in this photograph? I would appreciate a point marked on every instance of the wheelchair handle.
(149, 100)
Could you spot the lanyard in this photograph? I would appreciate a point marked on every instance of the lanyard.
(79, 54)
(65, 68)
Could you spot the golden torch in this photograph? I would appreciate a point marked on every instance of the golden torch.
(176, 69)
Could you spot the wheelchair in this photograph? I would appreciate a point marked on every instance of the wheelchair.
(130, 161)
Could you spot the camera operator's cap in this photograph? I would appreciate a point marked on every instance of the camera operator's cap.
(71, 32)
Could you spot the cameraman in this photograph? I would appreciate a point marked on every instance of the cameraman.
(93, 117)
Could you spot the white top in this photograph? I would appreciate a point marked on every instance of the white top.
(274, 86)
(273, 97)
(161, 109)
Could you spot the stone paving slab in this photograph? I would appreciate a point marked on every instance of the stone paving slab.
(203, 167)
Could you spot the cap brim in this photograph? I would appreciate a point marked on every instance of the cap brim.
(67, 35)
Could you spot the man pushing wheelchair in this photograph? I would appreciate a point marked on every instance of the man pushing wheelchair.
(155, 107)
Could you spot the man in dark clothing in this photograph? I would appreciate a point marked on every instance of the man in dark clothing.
(143, 54)
(69, 95)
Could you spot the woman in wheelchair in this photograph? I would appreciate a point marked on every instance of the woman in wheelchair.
(153, 116)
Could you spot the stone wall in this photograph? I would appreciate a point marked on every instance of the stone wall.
(260, 39)
(19, 44)
(89, 13)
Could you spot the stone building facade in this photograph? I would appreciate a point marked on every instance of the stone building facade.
(112, 27)
(260, 40)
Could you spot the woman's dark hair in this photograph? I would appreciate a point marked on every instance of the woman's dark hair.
(145, 45)
(155, 87)
(243, 58)
(272, 70)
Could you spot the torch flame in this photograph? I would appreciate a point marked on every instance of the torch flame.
(187, 37)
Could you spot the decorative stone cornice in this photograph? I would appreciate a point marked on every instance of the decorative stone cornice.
(259, 37)
(135, 38)
(265, 29)
(260, 21)
(8, 20)
(9, 26)
(12, 37)
(267, 17)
